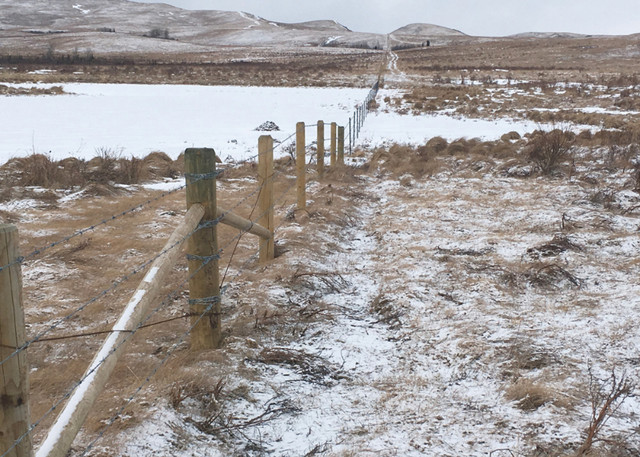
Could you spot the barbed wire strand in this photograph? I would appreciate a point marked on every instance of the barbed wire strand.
(119, 282)
(141, 325)
(80, 232)
(132, 332)
(118, 413)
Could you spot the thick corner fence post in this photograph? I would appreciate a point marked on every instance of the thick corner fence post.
(301, 165)
(14, 385)
(334, 128)
(340, 145)
(266, 200)
(320, 143)
(202, 248)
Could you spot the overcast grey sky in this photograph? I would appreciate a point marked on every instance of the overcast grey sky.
(474, 17)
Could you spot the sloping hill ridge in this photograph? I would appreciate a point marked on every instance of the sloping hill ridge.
(427, 30)
(83, 24)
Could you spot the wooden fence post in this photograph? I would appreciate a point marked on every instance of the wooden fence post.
(301, 165)
(265, 181)
(14, 384)
(333, 143)
(80, 403)
(340, 145)
(204, 286)
(320, 144)
(350, 139)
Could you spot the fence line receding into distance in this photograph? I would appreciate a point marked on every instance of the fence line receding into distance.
(198, 231)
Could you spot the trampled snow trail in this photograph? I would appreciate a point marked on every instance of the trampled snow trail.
(426, 314)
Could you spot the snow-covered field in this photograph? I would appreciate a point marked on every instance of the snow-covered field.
(134, 120)
(465, 313)
(139, 119)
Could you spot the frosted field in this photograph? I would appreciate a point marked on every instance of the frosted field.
(139, 119)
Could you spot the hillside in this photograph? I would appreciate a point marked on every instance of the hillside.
(427, 30)
(122, 26)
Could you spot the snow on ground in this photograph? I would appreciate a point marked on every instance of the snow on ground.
(139, 119)
(134, 120)
(449, 333)
(443, 328)
(387, 125)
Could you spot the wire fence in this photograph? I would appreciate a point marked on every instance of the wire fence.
(355, 123)
(144, 323)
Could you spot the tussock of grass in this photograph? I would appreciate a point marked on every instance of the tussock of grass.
(107, 168)
(530, 395)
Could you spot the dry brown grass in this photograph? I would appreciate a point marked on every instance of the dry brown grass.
(437, 154)
(530, 395)
(549, 150)
(42, 171)
(239, 66)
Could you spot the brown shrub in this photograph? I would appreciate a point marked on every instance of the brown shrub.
(458, 147)
(513, 135)
(74, 171)
(437, 144)
(38, 170)
(103, 167)
(548, 150)
(404, 159)
(131, 171)
(159, 164)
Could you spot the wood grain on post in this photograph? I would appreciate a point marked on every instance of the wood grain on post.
(320, 144)
(266, 201)
(14, 384)
(66, 426)
(340, 145)
(301, 165)
(204, 286)
(334, 136)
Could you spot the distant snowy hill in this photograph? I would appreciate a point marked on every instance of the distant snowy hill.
(121, 25)
(548, 35)
(427, 30)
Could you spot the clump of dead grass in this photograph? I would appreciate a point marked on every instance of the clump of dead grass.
(406, 162)
(530, 395)
(311, 367)
(40, 170)
(400, 160)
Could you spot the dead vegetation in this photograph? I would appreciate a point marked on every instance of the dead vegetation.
(606, 396)
(498, 264)
(108, 168)
(241, 66)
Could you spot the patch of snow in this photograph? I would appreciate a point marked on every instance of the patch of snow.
(248, 17)
(332, 39)
(19, 205)
(139, 119)
(79, 8)
(42, 72)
